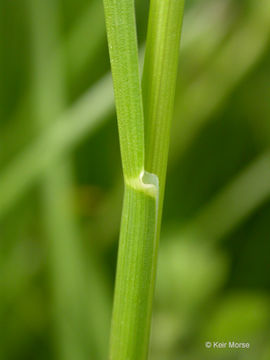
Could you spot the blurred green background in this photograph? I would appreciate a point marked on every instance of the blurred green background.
(61, 184)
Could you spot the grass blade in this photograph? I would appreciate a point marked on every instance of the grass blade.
(121, 30)
(64, 258)
(159, 81)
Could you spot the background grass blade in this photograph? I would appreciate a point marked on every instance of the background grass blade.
(234, 203)
(252, 36)
(57, 140)
(64, 258)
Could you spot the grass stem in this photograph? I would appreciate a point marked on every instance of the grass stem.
(142, 160)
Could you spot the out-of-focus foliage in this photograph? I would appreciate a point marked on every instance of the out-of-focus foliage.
(61, 187)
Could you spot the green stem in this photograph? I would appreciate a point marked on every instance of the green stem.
(141, 214)
(135, 273)
(134, 288)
